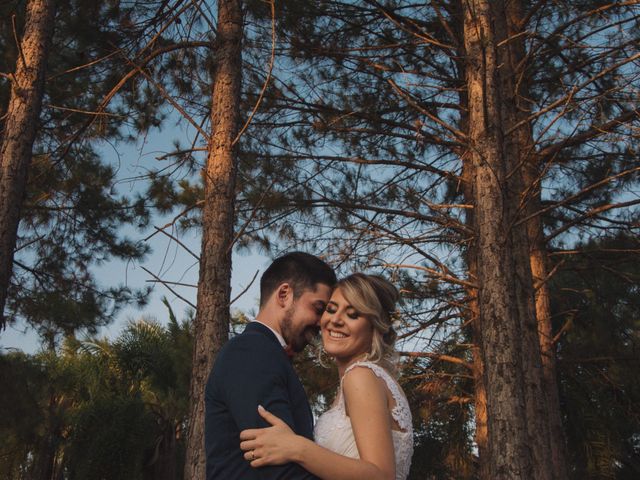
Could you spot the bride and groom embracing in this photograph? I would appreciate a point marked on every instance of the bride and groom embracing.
(258, 424)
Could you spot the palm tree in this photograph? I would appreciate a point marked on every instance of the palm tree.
(150, 365)
(99, 408)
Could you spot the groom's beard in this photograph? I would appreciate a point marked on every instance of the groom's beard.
(298, 338)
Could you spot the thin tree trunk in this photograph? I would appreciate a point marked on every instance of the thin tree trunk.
(164, 466)
(214, 284)
(473, 317)
(19, 133)
(512, 371)
(480, 393)
(540, 272)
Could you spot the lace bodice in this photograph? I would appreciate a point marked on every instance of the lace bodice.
(333, 429)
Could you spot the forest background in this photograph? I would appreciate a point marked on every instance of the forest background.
(482, 155)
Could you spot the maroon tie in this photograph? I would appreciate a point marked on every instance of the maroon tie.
(290, 353)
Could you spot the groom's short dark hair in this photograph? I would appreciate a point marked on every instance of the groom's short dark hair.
(301, 270)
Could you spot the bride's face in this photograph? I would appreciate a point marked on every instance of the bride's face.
(346, 334)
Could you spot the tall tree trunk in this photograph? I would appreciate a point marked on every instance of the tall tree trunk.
(528, 167)
(19, 133)
(472, 316)
(214, 283)
(516, 408)
(519, 148)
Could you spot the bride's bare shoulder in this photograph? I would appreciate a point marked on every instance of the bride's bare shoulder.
(362, 381)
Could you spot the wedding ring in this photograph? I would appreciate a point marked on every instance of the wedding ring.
(253, 457)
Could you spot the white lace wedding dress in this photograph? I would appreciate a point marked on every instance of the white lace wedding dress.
(333, 429)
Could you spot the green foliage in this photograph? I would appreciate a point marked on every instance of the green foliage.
(108, 436)
(597, 304)
(319, 376)
(440, 395)
(71, 222)
(99, 409)
(24, 388)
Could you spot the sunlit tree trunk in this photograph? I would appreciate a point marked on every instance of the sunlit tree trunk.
(473, 317)
(516, 408)
(540, 272)
(27, 86)
(212, 317)
(480, 394)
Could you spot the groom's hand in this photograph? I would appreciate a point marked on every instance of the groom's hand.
(275, 445)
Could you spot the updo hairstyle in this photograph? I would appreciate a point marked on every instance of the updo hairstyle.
(374, 298)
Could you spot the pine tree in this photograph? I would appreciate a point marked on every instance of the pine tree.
(19, 130)
(595, 304)
(71, 213)
(214, 284)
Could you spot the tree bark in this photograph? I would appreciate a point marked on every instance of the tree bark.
(519, 149)
(527, 164)
(480, 394)
(557, 442)
(19, 133)
(516, 409)
(214, 284)
(540, 272)
(473, 318)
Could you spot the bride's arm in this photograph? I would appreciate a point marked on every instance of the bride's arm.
(366, 402)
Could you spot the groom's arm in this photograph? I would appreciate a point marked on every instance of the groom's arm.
(258, 376)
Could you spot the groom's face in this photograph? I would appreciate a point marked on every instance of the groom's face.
(301, 323)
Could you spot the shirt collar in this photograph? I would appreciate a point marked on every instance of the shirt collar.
(278, 336)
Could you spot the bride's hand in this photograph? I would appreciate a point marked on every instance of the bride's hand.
(273, 445)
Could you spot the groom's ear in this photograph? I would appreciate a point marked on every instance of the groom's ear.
(284, 295)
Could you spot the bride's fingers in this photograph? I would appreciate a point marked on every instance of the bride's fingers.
(269, 417)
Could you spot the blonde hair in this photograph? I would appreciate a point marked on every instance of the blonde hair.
(374, 298)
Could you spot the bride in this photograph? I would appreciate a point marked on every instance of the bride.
(367, 433)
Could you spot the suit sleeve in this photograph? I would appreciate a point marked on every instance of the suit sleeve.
(255, 374)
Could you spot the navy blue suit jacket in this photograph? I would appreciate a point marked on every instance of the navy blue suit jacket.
(251, 369)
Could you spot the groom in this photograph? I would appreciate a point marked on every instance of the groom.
(254, 368)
